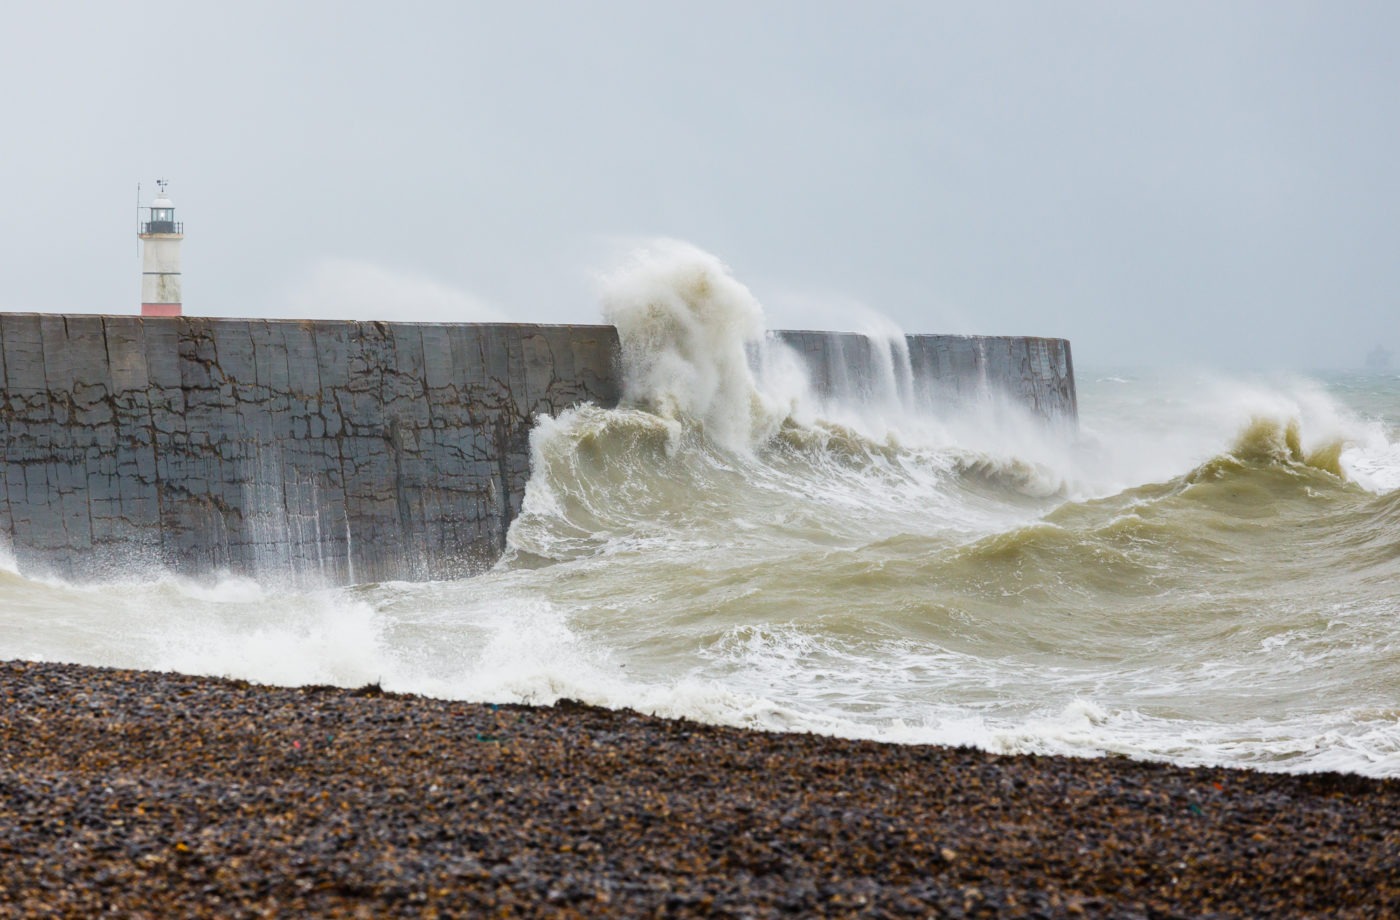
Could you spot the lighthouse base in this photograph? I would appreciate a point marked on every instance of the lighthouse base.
(160, 309)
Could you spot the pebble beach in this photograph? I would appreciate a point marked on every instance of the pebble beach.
(161, 795)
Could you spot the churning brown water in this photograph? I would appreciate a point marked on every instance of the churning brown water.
(1205, 571)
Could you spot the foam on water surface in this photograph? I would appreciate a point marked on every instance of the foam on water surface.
(1201, 574)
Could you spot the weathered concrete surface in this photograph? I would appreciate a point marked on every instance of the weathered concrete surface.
(335, 452)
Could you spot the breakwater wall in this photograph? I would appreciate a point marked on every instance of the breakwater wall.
(339, 452)
(936, 371)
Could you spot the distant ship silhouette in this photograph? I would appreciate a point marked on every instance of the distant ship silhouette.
(1378, 359)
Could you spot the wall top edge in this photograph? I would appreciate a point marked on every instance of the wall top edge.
(497, 325)
(215, 320)
(934, 335)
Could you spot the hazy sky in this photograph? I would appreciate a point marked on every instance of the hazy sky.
(1213, 182)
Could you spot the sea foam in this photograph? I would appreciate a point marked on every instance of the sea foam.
(1202, 574)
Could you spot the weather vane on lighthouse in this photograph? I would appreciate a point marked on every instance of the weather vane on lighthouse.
(160, 257)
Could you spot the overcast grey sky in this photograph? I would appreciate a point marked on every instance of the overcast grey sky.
(1211, 183)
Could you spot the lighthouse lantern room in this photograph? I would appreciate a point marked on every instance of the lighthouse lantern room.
(160, 258)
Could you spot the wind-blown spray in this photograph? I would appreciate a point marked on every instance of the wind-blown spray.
(687, 327)
(1204, 575)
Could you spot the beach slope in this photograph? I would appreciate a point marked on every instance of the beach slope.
(165, 795)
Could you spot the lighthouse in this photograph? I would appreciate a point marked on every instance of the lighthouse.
(160, 258)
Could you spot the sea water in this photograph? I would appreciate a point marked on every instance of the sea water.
(1204, 570)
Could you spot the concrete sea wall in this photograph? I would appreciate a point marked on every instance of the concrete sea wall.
(336, 452)
(944, 370)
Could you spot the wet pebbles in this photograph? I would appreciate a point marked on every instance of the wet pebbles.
(142, 794)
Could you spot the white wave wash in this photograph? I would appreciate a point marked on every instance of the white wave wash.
(685, 325)
(726, 547)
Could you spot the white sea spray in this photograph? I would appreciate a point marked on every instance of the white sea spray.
(1191, 578)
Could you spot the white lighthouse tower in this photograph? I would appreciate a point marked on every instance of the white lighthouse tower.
(160, 258)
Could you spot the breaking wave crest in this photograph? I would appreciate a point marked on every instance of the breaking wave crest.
(685, 325)
(1203, 573)
(1269, 441)
(975, 577)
